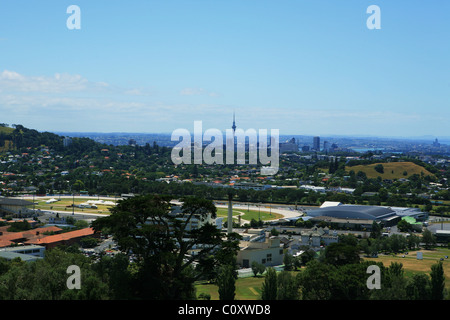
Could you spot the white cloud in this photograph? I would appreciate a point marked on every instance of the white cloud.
(11, 81)
(10, 75)
(196, 92)
(134, 92)
(59, 83)
(75, 99)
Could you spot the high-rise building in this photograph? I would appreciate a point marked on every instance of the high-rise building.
(289, 146)
(316, 143)
(436, 143)
(67, 141)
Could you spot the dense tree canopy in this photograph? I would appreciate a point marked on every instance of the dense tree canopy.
(164, 241)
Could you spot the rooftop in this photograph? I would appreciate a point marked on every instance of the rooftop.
(8, 238)
(14, 202)
(63, 236)
(353, 212)
(12, 255)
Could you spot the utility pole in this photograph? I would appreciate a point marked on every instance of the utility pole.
(73, 203)
(230, 213)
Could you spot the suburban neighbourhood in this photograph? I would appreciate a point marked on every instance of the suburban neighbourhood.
(286, 239)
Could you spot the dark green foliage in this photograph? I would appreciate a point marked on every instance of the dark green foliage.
(339, 254)
(287, 287)
(19, 226)
(163, 240)
(258, 268)
(379, 168)
(269, 287)
(46, 279)
(437, 281)
(226, 281)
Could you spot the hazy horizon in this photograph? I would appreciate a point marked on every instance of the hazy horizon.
(427, 138)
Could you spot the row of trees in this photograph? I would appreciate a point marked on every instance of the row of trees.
(161, 242)
(340, 275)
(325, 281)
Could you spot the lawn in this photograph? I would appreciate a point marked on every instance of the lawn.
(8, 143)
(249, 215)
(392, 170)
(62, 204)
(412, 265)
(248, 288)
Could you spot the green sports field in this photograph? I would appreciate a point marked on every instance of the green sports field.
(250, 214)
(65, 205)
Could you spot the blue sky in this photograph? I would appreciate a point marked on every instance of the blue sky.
(304, 67)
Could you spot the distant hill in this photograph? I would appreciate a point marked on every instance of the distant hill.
(6, 138)
(391, 170)
(20, 137)
(6, 130)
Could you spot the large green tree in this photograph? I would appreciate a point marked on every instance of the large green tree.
(163, 237)
(428, 238)
(437, 281)
(316, 280)
(287, 287)
(418, 287)
(340, 253)
(226, 282)
(269, 287)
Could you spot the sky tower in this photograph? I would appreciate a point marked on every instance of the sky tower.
(230, 196)
(234, 124)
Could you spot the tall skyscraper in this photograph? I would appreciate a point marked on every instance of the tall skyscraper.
(316, 143)
(234, 124)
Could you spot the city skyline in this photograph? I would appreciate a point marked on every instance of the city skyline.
(304, 68)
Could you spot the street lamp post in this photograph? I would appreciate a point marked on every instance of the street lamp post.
(259, 211)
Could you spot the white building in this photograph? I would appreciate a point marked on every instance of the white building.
(268, 253)
(313, 188)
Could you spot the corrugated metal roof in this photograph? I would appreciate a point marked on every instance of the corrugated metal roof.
(14, 202)
(353, 212)
(12, 255)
